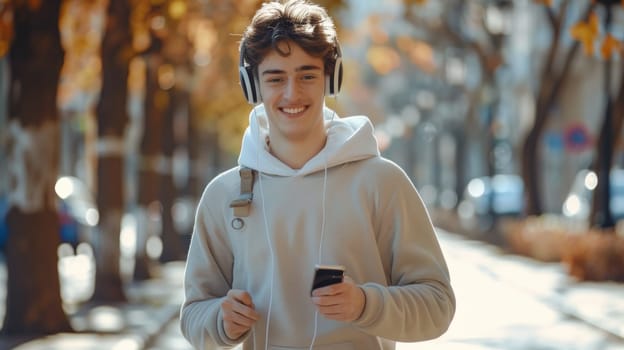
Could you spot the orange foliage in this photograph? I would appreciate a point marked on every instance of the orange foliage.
(596, 256)
(420, 53)
(414, 2)
(136, 75)
(377, 33)
(81, 26)
(383, 59)
(6, 28)
(34, 4)
(545, 2)
(586, 33)
(609, 46)
(177, 9)
(139, 23)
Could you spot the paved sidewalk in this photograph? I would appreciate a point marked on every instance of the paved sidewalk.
(508, 302)
(129, 326)
(505, 302)
(600, 304)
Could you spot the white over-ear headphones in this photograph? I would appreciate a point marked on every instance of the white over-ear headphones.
(251, 88)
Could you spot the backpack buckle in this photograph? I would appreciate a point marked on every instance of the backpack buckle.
(243, 202)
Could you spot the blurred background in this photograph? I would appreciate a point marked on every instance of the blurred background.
(114, 115)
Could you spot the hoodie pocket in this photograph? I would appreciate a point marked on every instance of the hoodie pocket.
(341, 346)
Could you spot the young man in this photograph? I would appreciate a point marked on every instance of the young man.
(322, 194)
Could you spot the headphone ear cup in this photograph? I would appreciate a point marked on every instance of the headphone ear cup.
(334, 82)
(248, 84)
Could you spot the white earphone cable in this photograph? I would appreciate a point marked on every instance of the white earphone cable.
(266, 230)
(268, 237)
(320, 253)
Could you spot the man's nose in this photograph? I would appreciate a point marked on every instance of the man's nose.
(292, 88)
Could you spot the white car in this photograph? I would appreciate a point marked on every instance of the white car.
(577, 205)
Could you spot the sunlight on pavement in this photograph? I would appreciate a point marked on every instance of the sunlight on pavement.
(76, 273)
(444, 346)
(503, 303)
(3, 291)
(106, 319)
(493, 313)
(82, 342)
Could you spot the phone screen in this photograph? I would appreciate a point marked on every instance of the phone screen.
(326, 275)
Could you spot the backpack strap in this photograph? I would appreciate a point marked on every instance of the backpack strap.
(243, 202)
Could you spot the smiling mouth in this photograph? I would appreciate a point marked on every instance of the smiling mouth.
(293, 110)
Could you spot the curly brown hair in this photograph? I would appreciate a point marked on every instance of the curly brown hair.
(299, 21)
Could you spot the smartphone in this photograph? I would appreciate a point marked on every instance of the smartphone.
(325, 275)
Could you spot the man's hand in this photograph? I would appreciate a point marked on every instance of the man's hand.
(340, 302)
(239, 313)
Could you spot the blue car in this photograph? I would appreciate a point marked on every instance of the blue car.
(76, 210)
(499, 195)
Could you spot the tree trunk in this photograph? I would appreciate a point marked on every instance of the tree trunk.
(150, 213)
(190, 188)
(550, 88)
(618, 112)
(33, 302)
(601, 207)
(4, 82)
(531, 168)
(112, 120)
(473, 132)
(460, 161)
(172, 243)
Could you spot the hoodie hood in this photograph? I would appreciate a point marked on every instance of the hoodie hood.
(348, 139)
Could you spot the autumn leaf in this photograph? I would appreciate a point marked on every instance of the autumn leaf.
(610, 45)
(6, 30)
(546, 2)
(383, 59)
(34, 4)
(4, 48)
(420, 53)
(177, 9)
(586, 33)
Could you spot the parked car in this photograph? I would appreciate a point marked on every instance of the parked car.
(499, 195)
(76, 209)
(578, 202)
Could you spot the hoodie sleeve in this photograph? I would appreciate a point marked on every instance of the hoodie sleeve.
(207, 278)
(419, 302)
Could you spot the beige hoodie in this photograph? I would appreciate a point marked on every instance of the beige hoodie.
(375, 225)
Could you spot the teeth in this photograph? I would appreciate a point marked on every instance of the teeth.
(293, 110)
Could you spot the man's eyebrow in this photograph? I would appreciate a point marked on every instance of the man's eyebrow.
(307, 67)
(298, 69)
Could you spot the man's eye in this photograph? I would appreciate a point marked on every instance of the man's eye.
(274, 80)
(309, 77)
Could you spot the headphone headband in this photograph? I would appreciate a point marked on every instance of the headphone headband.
(251, 88)
(247, 78)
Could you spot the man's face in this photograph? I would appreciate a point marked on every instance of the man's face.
(292, 89)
